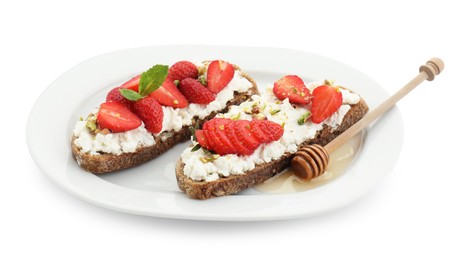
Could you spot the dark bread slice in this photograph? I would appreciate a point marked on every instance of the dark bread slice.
(234, 183)
(103, 163)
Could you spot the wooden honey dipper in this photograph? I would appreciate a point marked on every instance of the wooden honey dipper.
(312, 160)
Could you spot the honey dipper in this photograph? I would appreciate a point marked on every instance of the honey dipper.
(312, 160)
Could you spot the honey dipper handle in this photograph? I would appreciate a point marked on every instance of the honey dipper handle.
(427, 72)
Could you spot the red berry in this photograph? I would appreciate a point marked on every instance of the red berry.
(272, 130)
(221, 139)
(231, 134)
(169, 95)
(116, 117)
(292, 87)
(195, 92)
(183, 69)
(132, 83)
(151, 113)
(219, 74)
(325, 102)
(199, 135)
(255, 127)
(244, 134)
(115, 96)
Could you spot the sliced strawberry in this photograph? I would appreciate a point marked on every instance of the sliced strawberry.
(292, 87)
(169, 95)
(219, 74)
(151, 113)
(223, 140)
(115, 96)
(203, 141)
(132, 83)
(245, 135)
(325, 102)
(255, 127)
(116, 117)
(183, 69)
(229, 130)
(273, 130)
(214, 139)
(195, 92)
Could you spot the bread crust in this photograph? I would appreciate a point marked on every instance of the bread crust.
(234, 183)
(104, 163)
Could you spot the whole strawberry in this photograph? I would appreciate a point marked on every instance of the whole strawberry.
(182, 70)
(150, 112)
(115, 96)
(195, 92)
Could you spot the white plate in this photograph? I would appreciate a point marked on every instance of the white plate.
(151, 189)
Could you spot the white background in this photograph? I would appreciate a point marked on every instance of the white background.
(415, 212)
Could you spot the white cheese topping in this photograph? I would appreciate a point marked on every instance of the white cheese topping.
(114, 143)
(282, 113)
(173, 119)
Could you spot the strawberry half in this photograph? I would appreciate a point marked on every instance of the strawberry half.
(219, 74)
(169, 95)
(195, 92)
(292, 87)
(182, 70)
(132, 84)
(150, 111)
(325, 102)
(116, 117)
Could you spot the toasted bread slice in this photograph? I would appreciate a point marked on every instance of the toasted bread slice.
(234, 183)
(108, 162)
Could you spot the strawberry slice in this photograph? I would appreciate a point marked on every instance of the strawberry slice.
(216, 140)
(220, 133)
(292, 87)
(245, 135)
(132, 84)
(183, 69)
(325, 102)
(273, 130)
(255, 127)
(229, 129)
(169, 95)
(116, 117)
(199, 134)
(150, 111)
(195, 92)
(219, 74)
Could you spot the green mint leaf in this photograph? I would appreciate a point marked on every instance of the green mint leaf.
(152, 79)
(130, 94)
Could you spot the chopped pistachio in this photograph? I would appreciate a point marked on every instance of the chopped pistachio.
(91, 125)
(203, 160)
(236, 117)
(329, 82)
(203, 80)
(215, 156)
(176, 82)
(275, 111)
(302, 119)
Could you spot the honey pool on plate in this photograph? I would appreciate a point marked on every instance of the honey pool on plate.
(340, 160)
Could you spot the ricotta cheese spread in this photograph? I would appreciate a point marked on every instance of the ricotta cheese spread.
(281, 112)
(173, 119)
